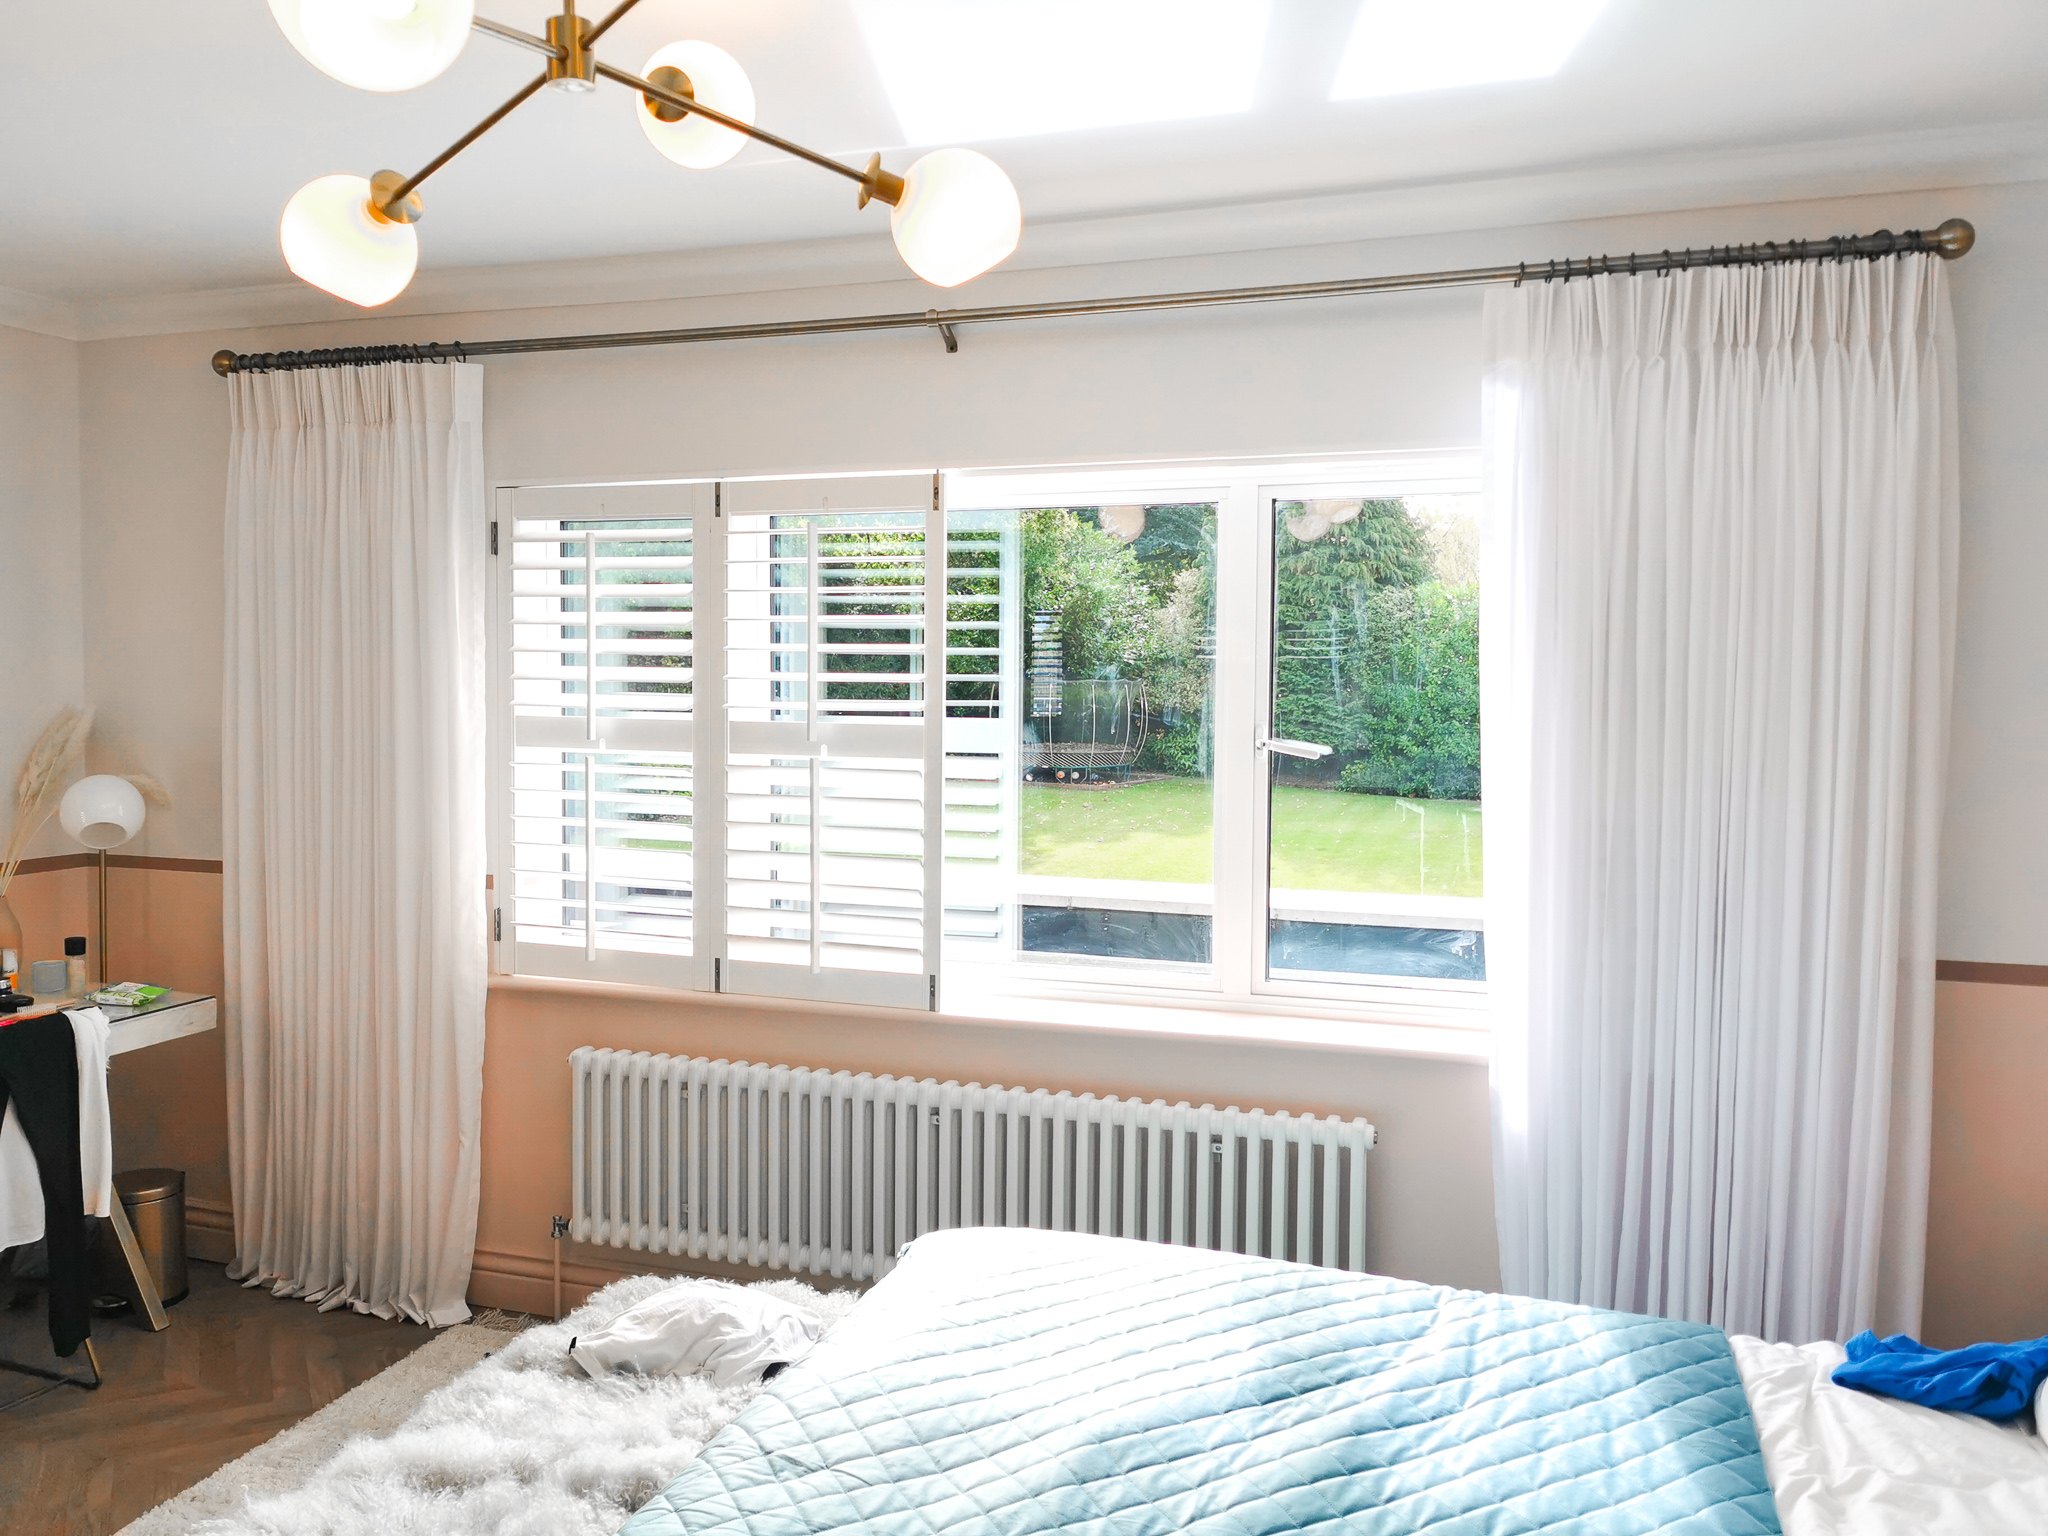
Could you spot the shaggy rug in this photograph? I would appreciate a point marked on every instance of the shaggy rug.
(520, 1443)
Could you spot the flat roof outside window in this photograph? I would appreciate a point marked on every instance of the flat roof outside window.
(1399, 47)
(964, 71)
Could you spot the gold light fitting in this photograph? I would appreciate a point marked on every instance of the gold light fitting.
(953, 213)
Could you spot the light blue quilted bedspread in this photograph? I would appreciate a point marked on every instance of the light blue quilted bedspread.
(1009, 1382)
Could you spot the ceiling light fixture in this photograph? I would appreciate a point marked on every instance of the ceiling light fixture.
(954, 213)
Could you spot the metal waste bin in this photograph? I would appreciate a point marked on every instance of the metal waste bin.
(155, 1201)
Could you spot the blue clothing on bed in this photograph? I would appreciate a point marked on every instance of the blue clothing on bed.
(1993, 1381)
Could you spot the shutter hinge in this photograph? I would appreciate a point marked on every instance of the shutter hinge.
(717, 980)
(934, 980)
(497, 925)
(494, 538)
(718, 498)
(935, 493)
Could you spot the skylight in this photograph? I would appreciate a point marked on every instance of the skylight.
(1399, 47)
(973, 70)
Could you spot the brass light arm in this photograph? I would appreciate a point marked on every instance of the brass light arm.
(515, 36)
(389, 206)
(691, 104)
(604, 26)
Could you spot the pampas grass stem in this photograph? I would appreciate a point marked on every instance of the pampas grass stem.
(38, 786)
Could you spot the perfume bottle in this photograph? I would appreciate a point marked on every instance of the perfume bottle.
(75, 984)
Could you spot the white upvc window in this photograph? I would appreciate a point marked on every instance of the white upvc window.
(1198, 732)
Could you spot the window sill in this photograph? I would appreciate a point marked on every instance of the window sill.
(1325, 1031)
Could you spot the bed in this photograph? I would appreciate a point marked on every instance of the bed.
(1017, 1381)
(1024, 1382)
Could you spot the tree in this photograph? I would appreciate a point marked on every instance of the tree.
(1414, 728)
(1093, 582)
(1376, 654)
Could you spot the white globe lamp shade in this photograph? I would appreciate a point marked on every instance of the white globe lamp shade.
(1124, 524)
(331, 241)
(717, 80)
(958, 216)
(102, 811)
(377, 45)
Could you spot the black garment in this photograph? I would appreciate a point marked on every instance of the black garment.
(39, 1068)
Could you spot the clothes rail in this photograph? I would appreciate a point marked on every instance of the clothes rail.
(1950, 240)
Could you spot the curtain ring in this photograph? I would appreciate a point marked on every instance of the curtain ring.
(1521, 271)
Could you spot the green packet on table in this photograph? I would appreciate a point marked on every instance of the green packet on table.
(129, 994)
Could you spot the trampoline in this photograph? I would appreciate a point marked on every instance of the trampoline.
(1084, 730)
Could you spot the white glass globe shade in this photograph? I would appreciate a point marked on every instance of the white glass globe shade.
(958, 216)
(330, 240)
(1124, 524)
(717, 80)
(102, 811)
(377, 45)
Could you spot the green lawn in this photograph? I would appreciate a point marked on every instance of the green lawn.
(1323, 839)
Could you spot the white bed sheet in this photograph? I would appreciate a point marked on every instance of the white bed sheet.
(1846, 1463)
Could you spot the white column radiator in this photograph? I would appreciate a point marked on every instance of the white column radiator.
(830, 1173)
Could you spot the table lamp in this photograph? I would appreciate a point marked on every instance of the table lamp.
(102, 812)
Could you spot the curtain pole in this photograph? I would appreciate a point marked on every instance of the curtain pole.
(1950, 240)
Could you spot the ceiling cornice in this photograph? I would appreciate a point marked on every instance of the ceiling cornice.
(32, 312)
(1892, 163)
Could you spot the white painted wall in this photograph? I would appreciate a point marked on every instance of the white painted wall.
(42, 642)
(1370, 373)
(1395, 372)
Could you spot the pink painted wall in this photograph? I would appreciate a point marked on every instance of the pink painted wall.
(1987, 1203)
(1430, 1215)
(1429, 1188)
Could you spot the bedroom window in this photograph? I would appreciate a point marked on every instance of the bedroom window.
(1238, 713)
(1146, 733)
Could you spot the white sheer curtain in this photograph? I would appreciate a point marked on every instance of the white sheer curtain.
(352, 794)
(1719, 590)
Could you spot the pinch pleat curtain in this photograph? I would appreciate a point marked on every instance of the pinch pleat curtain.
(353, 786)
(1719, 577)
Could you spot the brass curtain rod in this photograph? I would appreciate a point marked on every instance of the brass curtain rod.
(1951, 240)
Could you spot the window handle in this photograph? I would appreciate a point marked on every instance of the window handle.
(1309, 749)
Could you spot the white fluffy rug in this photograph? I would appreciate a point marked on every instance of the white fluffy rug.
(520, 1444)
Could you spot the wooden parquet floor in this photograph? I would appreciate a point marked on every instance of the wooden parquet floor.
(234, 1368)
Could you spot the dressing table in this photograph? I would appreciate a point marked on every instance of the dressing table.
(170, 1017)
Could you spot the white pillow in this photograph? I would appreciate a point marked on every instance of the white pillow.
(728, 1330)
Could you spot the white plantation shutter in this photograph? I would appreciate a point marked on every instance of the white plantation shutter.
(598, 586)
(834, 687)
(726, 735)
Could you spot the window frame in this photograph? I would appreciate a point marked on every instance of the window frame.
(1242, 489)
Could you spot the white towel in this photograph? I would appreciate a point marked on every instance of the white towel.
(21, 1191)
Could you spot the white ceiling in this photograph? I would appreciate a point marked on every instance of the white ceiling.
(151, 145)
